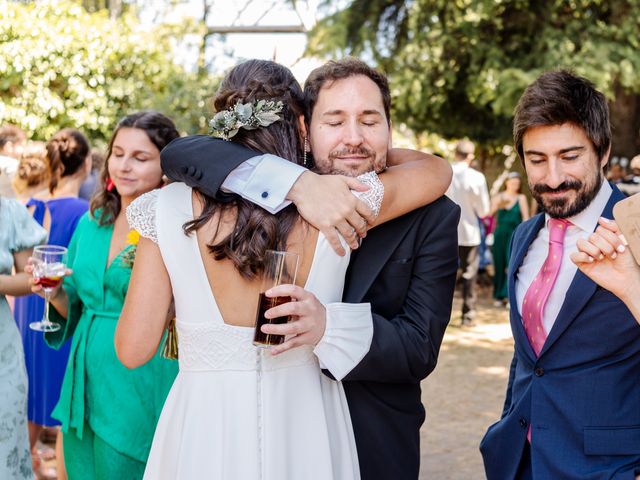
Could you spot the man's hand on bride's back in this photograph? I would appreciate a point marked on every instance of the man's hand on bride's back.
(308, 318)
(326, 202)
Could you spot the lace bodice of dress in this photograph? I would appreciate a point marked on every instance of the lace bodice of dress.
(208, 346)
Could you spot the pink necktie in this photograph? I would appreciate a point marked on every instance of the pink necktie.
(538, 293)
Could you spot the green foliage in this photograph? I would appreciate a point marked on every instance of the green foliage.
(62, 66)
(458, 67)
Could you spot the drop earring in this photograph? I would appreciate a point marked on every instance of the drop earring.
(306, 149)
(110, 185)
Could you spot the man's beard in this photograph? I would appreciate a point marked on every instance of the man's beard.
(561, 207)
(332, 165)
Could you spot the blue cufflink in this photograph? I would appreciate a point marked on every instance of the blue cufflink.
(265, 194)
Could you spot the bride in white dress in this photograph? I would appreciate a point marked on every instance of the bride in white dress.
(236, 411)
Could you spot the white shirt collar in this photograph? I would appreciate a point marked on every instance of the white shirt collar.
(587, 220)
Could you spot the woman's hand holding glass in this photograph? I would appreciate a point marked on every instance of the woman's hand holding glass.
(308, 318)
(48, 268)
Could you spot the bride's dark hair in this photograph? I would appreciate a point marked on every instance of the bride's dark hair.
(256, 230)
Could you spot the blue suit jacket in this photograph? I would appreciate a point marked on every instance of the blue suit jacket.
(581, 396)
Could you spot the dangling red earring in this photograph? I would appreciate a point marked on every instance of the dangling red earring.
(110, 185)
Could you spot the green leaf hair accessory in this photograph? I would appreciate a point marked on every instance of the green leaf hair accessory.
(225, 124)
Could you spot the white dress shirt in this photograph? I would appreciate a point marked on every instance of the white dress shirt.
(265, 180)
(469, 190)
(582, 225)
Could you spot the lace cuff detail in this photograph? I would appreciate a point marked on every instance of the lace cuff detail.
(347, 337)
(372, 197)
(141, 215)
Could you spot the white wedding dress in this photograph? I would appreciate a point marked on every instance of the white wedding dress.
(235, 411)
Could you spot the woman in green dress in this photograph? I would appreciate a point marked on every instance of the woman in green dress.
(18, 234)
(109, 413)
(511, 208)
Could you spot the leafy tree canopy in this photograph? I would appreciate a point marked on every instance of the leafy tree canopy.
(458, 67)
(61, 66)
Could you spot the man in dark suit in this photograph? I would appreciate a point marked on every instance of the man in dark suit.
(405, 268)
(572, 408)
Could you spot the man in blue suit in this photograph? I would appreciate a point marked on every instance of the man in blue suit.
(572, 408)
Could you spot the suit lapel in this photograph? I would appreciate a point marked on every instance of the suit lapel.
(580, 290)
(529, 234)
(374, 253)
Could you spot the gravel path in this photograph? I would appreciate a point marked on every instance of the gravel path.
(465, 393)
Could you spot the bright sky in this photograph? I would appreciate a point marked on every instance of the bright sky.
(285, 48)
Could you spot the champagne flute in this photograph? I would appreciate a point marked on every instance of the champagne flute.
(49, 267)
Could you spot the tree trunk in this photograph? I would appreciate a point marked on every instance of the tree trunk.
(625, 124)
(115, 8)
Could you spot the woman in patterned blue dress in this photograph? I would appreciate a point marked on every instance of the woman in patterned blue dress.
(18, 234)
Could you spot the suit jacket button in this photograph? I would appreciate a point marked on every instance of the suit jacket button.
(538, 372)
(523, 422)
(265, 194)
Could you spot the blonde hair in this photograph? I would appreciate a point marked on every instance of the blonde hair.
(33, 169)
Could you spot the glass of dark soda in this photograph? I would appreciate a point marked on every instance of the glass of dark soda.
(280, 268)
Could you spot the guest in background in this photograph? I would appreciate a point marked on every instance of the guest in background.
(616, 173)
(630, 185)
(67, 158)
(18, 234)
(510, 207)
(487, 226)
(31, 179)
(12, 141)
(88, 188)
(469, 190)
(108, 412)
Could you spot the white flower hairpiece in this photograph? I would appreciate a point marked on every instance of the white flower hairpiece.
(225, 124)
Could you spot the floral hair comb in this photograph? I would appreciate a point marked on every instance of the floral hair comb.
(226, 123)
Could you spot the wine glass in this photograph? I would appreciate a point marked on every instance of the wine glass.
(49, 267)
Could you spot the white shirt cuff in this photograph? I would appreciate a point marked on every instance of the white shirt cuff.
(347, 337)
(264, 180)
